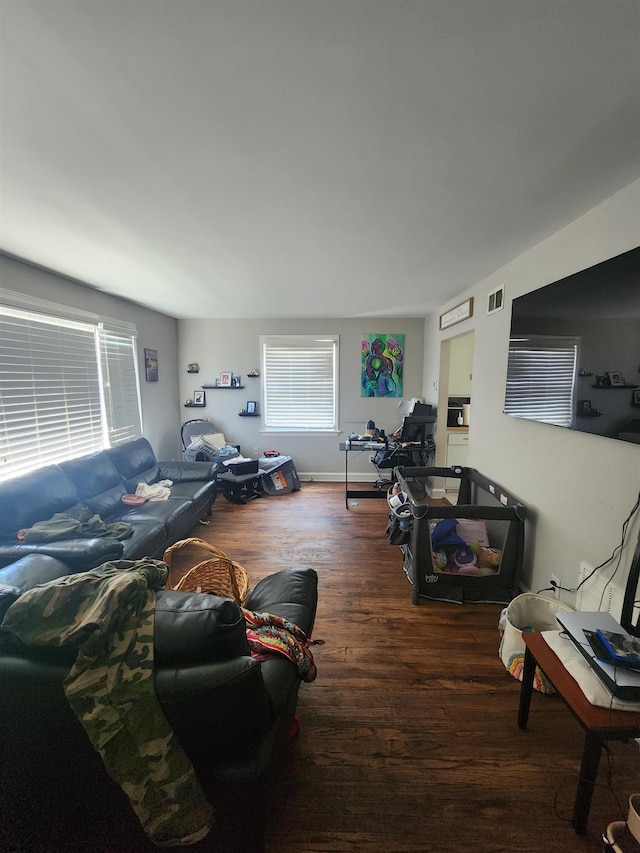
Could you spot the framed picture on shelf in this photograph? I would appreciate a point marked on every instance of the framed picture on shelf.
(615, 377)
(198, 398)
(252, 407)
(635, 398)
(225, 380)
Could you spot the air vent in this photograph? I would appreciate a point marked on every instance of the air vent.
(599, 593)
(495, 300)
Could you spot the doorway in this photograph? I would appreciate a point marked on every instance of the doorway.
(454, 404)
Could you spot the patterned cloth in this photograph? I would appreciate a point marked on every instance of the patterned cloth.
(266, 632)
(109, 613)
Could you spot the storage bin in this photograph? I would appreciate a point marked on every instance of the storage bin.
(527, 612)
(483, 505)
(280, 477)
(246, 466)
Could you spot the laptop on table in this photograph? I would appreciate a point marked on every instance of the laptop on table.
(622, 681)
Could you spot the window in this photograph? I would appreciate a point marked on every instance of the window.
(68, 384)
(300, 382)
(541, 378)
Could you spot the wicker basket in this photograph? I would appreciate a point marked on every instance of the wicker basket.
(219, 574)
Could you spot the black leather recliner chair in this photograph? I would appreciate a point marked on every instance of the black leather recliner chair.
(231, 713)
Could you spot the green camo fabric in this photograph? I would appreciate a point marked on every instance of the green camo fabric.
(84, 524)
(109, 614)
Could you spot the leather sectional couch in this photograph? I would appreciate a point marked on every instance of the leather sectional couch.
(97, 483)
(231, 712)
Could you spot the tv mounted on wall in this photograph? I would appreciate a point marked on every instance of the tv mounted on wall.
(574, 351)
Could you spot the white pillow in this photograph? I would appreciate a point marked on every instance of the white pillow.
(214, 439)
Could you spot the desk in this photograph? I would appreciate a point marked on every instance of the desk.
(599, 724)
(360, 447)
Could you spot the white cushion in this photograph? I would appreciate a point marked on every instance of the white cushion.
(214, 439)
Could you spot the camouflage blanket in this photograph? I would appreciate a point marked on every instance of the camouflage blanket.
(109, 613)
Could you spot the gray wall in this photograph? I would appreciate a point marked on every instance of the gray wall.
(161, 419)
(234, 345)
(579, 487)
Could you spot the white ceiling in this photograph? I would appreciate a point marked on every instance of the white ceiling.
(301, 158)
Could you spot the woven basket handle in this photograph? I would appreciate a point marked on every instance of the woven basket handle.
(166, 558)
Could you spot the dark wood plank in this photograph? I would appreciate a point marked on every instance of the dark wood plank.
(409, 739)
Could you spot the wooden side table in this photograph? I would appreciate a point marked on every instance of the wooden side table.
(599, 724)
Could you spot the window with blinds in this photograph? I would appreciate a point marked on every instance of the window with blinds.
(541, 378)
(68, 386)
(300, 382)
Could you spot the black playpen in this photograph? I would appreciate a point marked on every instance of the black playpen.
(470, 552)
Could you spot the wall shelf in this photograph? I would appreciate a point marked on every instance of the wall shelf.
(248, 414)
(193, 405)
(614, 387)
(222, 387)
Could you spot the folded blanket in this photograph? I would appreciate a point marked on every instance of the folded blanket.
(108, 614)
(159, 491)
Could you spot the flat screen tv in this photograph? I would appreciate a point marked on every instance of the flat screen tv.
(574, 351)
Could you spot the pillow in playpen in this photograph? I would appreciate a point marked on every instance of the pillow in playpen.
(473, 530)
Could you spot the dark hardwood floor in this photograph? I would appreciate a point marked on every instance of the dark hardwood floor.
(408, 738)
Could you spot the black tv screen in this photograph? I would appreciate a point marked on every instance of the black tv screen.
(574, 351)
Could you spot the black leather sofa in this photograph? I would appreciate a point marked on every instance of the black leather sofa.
(231, 713)
(98, 482)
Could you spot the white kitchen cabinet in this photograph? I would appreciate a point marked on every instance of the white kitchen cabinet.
(457, 454)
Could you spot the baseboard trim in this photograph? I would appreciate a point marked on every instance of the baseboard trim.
(321, 477)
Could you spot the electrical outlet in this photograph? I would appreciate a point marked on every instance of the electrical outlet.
(555, 583)
(255, 451)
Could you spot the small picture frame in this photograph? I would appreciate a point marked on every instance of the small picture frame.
(198, 398)
(225, 379)
(235, 381)
(252, 407)
(615, 377)
(151, 365)
(635, 398)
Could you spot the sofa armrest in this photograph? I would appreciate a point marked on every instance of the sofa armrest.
(79, 555)
(291, 593)
(191, 627)
(184, 472)
(33, 570)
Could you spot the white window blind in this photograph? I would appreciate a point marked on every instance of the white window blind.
(300, 384)
(68, 386)
(120, 384)
(541, 378)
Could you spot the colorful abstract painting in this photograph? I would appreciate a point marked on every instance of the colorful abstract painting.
(382, 365)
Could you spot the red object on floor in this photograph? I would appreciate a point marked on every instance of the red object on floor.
(294, 728)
